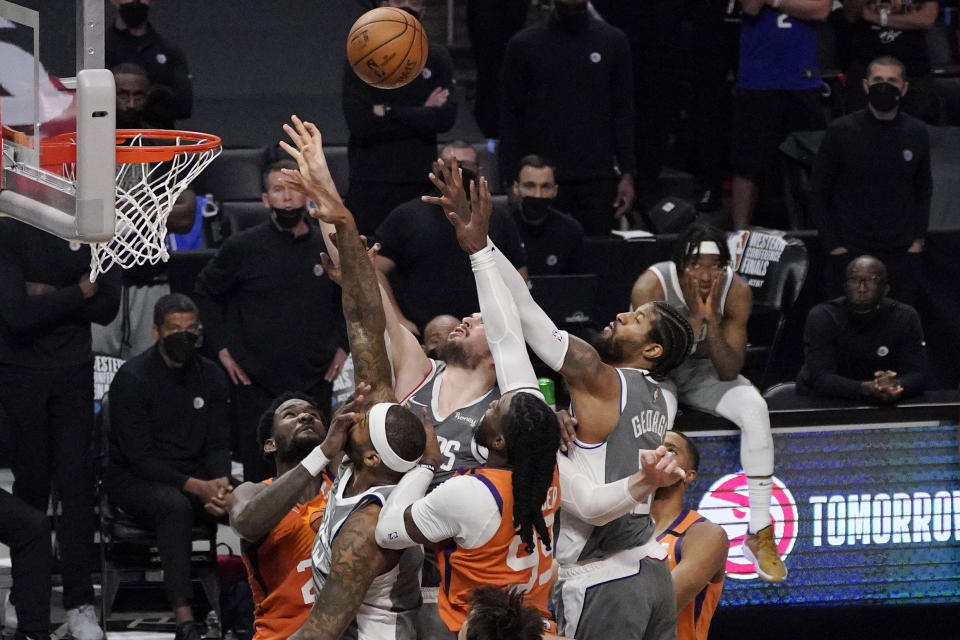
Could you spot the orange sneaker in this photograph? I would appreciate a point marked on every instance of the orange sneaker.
(760, 549)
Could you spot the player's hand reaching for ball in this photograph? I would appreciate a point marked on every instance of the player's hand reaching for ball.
(448, 180)
(472, 233)
(308, 152)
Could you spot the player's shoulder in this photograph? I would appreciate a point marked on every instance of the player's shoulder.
(704, 531)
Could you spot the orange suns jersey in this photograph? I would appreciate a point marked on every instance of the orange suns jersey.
(503, 561)
(280, 568)
(693, 621)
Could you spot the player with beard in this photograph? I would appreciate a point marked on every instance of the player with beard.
(277, 519)
(698, 547)
(363, 591)
(435, 333)
(612, 575)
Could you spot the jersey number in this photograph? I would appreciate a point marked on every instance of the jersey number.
(531, 561)
(783, 21)
(307, 589)
(448, 449)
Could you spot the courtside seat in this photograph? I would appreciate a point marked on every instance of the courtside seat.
(237, 174)
(339, 165)
(242, 215)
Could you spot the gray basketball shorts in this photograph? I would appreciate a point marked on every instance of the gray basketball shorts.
(698, 386)
(599, 606)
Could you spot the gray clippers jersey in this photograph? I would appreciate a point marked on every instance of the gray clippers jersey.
(644, 419)
(389, 608)
(666, 272)
(455, 431)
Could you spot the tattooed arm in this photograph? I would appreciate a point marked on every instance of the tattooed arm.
(356, 561)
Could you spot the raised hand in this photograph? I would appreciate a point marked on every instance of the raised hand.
(329, 208)
(449, 181)
(333, 269)
(660, 467)
(308, 152)
(472, 234)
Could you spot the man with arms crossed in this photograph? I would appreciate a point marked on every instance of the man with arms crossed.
(621, 412)
(700, 283)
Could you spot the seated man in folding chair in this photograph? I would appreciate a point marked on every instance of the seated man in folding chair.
(169, 449)
(700, 282)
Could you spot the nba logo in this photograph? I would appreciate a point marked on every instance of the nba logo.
(737, 244)
(726, 503)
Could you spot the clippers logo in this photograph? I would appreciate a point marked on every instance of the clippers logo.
(726, 503)
(737, 243)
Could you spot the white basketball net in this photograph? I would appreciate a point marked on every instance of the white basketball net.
(146, 194)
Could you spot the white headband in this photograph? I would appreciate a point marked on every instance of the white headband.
(709, 248)
(377, 423)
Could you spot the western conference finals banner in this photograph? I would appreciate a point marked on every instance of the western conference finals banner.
(866, 514)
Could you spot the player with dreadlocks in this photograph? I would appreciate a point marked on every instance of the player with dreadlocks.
(701, 284)
(497, 518)
(612, 575)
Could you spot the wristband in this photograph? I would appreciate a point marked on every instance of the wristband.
(429, 467)
(315, 461)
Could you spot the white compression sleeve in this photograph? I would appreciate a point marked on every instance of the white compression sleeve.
(501, 323)
(549, 343)
(594, 503)
(391, 530)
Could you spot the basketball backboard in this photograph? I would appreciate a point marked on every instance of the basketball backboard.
(52, 82)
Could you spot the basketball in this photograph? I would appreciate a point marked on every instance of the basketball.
(387, 47)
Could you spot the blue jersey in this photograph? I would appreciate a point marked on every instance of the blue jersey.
(777, 52)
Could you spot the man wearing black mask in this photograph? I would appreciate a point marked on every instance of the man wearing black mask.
(567, 94)
(864, 346)
(552, 239)
(272, 315)
(133, 39)
(871, 185)
(170, 456)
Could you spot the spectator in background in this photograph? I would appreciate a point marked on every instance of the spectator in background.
(170, 452)
(419, 254)
(777, 90)
(133, 39)
(568, 95)
(552, 239)
(490, 25)
(46, 388)
(27, 532)
(863, 346)
(393, 132)
(897, 29)
(871, 185)
(271, 314)
(130, 331)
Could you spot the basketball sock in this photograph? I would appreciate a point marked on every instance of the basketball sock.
(759, 491)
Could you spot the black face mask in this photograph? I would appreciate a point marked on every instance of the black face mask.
(133, 14)
(288, 218)
(180, 347)
(570, 16)
(534, 210)
(413, 12)
(883, 96)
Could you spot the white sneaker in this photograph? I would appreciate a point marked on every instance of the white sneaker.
(9, 615)
(82, 623)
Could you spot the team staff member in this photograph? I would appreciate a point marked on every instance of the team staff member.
(170, 451)
(698, 547)
(46, 388)
(278, 519)
(272, 315)
(133, 39)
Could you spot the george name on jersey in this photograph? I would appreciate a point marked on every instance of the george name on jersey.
(647, 421)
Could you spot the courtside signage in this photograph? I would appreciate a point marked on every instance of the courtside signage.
(867, 515)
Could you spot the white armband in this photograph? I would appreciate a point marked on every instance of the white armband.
(590, 501)
(315, 461)
(391, 530)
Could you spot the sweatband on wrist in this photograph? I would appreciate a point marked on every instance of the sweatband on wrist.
(377, 423)
(315, 461)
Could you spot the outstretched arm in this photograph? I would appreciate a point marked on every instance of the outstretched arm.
(356, 561)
